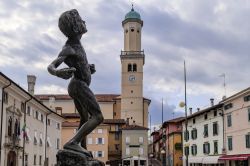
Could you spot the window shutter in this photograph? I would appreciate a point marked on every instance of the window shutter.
(102, 140)
(247, 141)
(102, 153)
(96, 140)
(208, 147)
(203, 148)
(96, 153)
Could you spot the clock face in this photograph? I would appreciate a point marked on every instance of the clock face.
(131, 78)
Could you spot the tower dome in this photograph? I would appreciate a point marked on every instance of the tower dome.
(132, 14)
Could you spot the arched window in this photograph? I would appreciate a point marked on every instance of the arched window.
(10, 126)
(129, 67)
(134, 67)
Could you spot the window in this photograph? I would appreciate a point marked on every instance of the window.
(230, 143)
(5, 97)
(40, 160)
(41, 117)
(116, 146)
(134, 67)
(48, 142)
(141, 140)
(194, 134)
(205, 116)
(34, 159)
(99, 131)
(247, 98)
(58, 126)
(129, 67)
(36, 115)
(215, 113)
(100, 140)
(248, 114)
(117, 135)
(194, 149)
(248, 140)
(132, 30)
(141, 151)
(90, 141)
(26, 160)
(35, 138)
(127, 140)
(193, 120)
(127, 151)
(57, 143)
(215, 128)
(186, 150)
(186, 135)
(215, 147)
(22, 107)
(28, 111)
(205, 130)
(228, 106)
(206, 148)
(229, 120)
(99, 154)
(10, 127)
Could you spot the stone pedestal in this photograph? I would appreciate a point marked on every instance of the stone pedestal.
(72, 158)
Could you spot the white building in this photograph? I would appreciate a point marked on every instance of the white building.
(30, 131)
(203, 143)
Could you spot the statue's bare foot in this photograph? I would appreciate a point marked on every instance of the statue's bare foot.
(76, 147)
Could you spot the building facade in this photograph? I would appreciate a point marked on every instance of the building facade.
(26, 136)
(203, 141)
(173, 143)
(135, 145)
(237, 129)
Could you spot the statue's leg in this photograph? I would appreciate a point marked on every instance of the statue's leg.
(83, 119)
(86, 99)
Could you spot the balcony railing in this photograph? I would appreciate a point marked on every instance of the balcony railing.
(115, 152)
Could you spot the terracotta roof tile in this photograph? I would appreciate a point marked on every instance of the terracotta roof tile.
(134, 127)
(99, 97)
(114, 121)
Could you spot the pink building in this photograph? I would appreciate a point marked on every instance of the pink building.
(237, 129)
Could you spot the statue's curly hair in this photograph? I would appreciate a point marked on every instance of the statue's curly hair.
(70, 23)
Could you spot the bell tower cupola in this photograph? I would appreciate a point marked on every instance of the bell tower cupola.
(132, 25)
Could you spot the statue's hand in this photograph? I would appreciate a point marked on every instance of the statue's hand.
(65, 73)
(92, 68)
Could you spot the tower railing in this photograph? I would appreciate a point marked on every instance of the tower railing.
(132, 52)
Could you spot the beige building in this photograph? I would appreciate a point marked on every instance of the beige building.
(237, 129)
(26, 138)
(134, 145)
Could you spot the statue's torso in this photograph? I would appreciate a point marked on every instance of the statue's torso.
(80, 62)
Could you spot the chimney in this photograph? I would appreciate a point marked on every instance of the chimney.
(212, 102)
(198, 109)
(190, 111)
(31, 79)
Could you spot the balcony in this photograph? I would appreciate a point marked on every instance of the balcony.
(115, 152)
(133, 55)
(13, 142)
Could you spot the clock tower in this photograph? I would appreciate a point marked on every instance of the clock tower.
(132, 61)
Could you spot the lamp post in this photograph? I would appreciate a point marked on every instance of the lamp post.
(162, 137)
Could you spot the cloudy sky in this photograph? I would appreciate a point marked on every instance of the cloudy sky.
(213, 36)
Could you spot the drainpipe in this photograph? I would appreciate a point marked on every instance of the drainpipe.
(2, 120)
(45, 144)
(24, 123)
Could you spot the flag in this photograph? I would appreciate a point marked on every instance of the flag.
(24, 131)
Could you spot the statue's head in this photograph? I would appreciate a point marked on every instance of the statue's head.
(71, 24)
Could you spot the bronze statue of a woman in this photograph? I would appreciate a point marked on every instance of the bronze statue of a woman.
(74, 56)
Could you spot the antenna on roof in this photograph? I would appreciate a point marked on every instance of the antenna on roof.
(224, 84)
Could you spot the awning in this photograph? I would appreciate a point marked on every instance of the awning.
(195, 159)
(210, 159)
(235, 157)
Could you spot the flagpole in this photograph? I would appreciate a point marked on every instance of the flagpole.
(186, 123)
